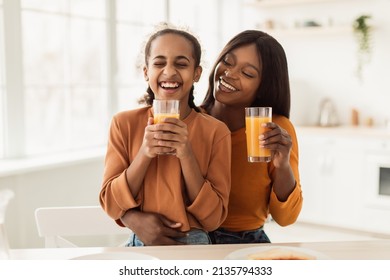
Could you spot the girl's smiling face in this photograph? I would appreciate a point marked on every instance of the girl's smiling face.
(170, 68)
(238, 76)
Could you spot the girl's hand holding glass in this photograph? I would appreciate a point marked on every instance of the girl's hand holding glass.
(158, 142)
(177, 138)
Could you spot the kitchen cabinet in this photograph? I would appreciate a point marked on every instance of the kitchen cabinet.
(330, 176)
(338, 169)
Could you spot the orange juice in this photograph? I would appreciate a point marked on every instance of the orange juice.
(253, 131)
(159, 118)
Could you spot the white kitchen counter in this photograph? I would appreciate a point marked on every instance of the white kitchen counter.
(363, 131)
(352, 250)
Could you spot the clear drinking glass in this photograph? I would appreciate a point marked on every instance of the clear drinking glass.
(254, 118)
(163, 109)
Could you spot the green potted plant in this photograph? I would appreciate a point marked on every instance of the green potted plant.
(362, 31)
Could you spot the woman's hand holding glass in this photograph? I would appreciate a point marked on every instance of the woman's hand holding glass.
(279, 142)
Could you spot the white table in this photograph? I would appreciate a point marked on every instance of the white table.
(340, 250)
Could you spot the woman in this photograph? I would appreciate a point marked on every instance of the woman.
(250, 71)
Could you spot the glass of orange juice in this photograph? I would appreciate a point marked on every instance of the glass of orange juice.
(163, 109)
(167, 108)
(254, 117)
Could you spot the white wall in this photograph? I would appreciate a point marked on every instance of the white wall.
(324, 65)
(69, 185)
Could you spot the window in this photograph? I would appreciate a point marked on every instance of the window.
(74, 64)
(65, 84)
(204, 23)
(131, 31)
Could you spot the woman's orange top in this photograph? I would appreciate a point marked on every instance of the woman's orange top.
(251, 197)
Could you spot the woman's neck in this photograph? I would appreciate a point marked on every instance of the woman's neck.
(233, 117)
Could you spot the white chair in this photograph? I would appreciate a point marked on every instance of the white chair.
(54, 223)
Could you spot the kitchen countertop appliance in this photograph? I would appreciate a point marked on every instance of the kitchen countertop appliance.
(328, 114)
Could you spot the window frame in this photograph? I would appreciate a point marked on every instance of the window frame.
(13, 120)
(2, 84)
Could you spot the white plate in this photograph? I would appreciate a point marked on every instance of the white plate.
(116, 256)
(242, 254)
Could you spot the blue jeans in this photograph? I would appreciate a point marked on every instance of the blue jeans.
(223, 236)
(195, 236)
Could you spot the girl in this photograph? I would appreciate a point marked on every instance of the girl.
(191, 187)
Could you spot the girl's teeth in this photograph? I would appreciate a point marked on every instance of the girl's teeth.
(169, 85)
